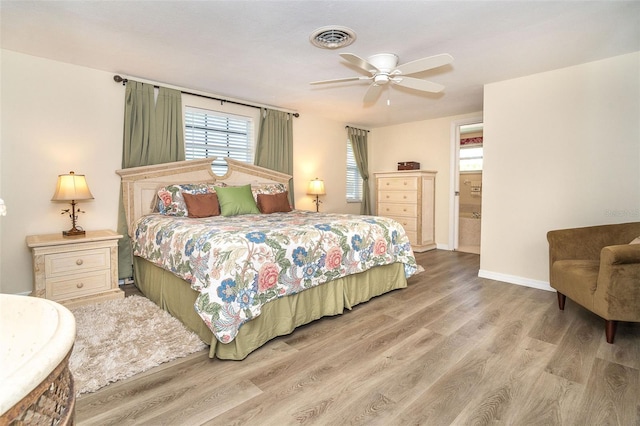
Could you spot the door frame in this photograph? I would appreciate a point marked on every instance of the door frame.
(454, 178)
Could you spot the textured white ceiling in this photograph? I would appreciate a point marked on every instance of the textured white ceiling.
(259, 51)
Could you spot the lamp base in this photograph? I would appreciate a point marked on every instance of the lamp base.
(73, 232)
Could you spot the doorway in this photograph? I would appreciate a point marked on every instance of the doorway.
(466, 181)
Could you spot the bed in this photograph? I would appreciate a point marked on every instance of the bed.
(240, 280)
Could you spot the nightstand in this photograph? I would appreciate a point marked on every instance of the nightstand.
(76, 270)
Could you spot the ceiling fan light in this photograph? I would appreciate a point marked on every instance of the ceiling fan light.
(381, 79)
(332, 37)
(385, 62)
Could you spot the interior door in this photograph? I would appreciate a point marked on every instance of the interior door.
(457, 128)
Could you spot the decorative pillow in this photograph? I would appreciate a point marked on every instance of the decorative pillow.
(236, 200)
(171, 201)
(272, 203)
(202, 205)
(268, 188)
(635, 241)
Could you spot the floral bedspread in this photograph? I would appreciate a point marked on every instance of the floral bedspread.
(240, 263)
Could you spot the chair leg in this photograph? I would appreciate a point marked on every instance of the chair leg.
(610, 330)
(561, 299)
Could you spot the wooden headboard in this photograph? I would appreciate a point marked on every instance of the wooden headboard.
(140, 184)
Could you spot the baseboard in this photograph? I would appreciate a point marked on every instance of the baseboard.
(513, 279)
(442, 246)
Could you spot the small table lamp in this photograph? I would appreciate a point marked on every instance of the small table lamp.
(316, 187)
(72, 187)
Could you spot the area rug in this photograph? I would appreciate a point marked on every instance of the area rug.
(118, 339)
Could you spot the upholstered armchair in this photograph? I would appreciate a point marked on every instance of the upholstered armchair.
(598, 268)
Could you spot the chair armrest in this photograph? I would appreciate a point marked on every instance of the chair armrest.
(617, 294)
(620, 254)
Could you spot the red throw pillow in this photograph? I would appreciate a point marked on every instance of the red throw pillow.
(202, 205)
(272, 203)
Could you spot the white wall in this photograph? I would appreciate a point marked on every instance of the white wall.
(55, 118)
(320, 150)
(427, 142)
(58, 117)
(561, 150)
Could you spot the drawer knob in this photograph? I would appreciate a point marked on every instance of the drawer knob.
(404, 210)
(404, 183)
(79, 262)
(405, 197)
(387, 196)
(80, 285)
(387, 183)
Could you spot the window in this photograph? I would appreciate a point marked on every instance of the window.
(354, 180)
(215, 134)
(471, 158)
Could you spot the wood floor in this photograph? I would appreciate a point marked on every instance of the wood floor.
(451, 348)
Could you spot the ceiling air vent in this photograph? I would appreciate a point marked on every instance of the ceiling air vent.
(332, 37)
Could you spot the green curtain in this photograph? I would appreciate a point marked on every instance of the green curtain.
(358, 138)
(170, 130)
(274, 149)
(153, 134)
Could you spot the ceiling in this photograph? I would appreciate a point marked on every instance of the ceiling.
(259, 51)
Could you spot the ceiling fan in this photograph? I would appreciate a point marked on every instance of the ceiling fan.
(384, 69)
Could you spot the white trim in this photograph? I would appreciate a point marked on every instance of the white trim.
(440, 246)
(513, 279)
(454, 179)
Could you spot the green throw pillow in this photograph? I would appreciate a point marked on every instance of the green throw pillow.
(235, 200)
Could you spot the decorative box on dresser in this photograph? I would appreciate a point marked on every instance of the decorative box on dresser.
(408, 196)
(76, 270)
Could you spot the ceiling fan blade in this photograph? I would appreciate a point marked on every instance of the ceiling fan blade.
(359, 62)
(373, 92)
(417, 84)
(339, 80)
(424, 64)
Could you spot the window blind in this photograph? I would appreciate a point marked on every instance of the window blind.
(215, 134)
(354, 180)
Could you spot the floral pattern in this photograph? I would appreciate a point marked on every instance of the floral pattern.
(237, 271)
(267, 188)
(171, 201)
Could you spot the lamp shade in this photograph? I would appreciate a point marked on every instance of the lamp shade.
(316, 187)
(72, 187)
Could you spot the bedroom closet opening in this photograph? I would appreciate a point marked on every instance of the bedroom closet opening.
(469, 214)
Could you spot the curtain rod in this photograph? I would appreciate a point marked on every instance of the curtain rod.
(346, 127)
(119, 79)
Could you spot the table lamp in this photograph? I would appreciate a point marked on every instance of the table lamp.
(72, 187)
(316, 187)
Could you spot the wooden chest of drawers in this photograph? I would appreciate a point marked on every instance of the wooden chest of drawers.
(76, 270)
(409, 198)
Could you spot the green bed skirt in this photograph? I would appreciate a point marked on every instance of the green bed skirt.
(278, 317)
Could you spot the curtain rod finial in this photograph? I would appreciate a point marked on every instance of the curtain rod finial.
(119, 79)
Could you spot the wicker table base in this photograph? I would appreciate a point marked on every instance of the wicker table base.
(52, 402)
